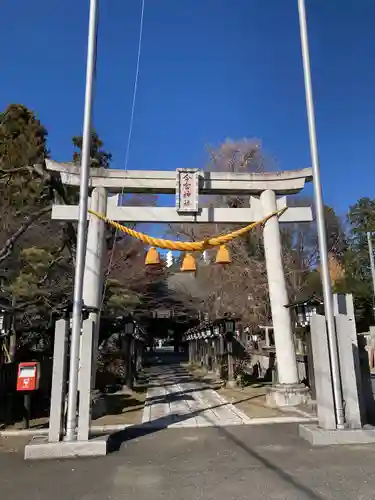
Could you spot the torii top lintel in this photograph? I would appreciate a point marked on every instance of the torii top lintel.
(164, 181)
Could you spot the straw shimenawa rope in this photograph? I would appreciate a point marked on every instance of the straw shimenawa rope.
(186, 246)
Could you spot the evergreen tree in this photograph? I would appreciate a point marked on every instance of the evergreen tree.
(98, 157)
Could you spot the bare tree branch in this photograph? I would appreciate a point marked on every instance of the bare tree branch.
(7, 248)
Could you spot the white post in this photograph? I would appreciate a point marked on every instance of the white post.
(84, 409)
(82, 227)
(320, 222)
(372, 263)
(60, 350)
(282, 326)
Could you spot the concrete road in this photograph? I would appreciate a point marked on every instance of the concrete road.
(236, 463)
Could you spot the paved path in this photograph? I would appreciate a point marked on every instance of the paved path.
(176, 399)
(209, 463)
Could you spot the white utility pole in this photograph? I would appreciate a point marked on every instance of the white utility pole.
(320, 222)
(372, 262)
(82, 226)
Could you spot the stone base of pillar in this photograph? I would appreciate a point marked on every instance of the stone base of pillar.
(39, 448)
(232, 384)
(280, 395)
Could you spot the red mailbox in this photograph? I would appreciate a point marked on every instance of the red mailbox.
(28, 376)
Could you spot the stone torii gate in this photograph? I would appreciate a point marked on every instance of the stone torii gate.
(266, 193)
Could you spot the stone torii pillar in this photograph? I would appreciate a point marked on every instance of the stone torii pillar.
(288, 391)
(92, 297)
(93, 277)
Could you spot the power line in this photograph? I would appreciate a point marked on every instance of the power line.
(131, 122)
(135, 88)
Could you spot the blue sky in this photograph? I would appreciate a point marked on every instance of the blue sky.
(210, 69)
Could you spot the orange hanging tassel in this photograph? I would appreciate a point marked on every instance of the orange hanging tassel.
(223, 256)
(152, 257)
(188, 264)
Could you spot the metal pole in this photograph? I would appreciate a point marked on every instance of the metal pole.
(372, 261)
(322, 236)
(82, 226)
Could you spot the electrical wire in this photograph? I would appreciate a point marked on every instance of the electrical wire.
(135, 88)
(131, 123)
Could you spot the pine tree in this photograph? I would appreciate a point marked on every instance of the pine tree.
(98, 157)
